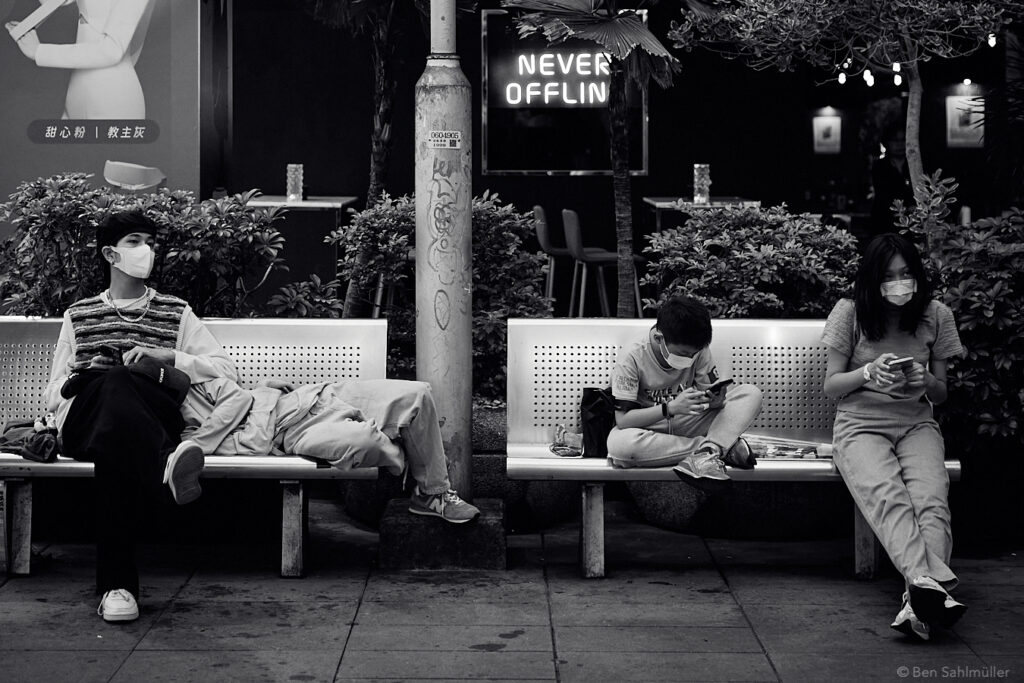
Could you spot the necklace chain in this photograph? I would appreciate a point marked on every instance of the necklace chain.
(110, 302)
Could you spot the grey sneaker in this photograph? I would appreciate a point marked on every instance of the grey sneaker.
(448, 506)
(704, 464)
(182, 472)
(740, 456)
(907, 623)
(118, 605)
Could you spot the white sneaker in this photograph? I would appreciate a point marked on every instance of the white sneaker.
(118, 605)
(906, 621)
(182, 472)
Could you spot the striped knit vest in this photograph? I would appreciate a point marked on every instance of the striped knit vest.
(97, 324)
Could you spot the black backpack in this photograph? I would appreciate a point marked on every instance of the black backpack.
(597, 417)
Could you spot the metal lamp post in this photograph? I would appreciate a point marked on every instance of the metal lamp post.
(444, 260)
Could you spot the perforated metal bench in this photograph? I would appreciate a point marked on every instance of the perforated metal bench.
(303, 351)
(550, 361)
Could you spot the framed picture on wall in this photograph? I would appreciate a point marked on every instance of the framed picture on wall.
(828, 134)
(964, 126)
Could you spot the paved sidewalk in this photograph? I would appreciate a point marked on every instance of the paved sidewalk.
(673, 608)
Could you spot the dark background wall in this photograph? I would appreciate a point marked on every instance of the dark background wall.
(301, 93)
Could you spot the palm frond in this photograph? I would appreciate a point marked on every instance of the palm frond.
(620, 34)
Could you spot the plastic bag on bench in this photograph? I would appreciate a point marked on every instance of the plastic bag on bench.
(597, 417)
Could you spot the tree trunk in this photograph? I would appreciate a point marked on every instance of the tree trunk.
(913, 142)
(618, 120)
(357, 300)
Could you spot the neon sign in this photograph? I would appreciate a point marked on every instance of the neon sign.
(553, 78)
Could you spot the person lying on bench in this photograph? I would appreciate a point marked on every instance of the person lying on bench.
(665, 414)
(121, 420)
(356, 423)
(888, 348)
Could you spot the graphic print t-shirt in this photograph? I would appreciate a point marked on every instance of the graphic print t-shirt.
(639, 378)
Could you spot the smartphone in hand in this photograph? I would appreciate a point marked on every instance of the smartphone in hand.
(716, 392)
(902, 364)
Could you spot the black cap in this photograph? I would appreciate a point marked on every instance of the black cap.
(117, 225)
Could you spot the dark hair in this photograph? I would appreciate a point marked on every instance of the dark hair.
(867, 292)
(683, 320)
(115, 226)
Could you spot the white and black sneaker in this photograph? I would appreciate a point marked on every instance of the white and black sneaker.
(118, 605)
(907, 623)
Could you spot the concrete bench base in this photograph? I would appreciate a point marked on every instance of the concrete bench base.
(17, 475)
(527, 462)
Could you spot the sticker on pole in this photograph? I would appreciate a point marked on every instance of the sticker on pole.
(444, 139)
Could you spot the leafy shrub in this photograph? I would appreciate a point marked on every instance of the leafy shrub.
(309, 299)
(506, 279)
(46, 265)
(753, 262)
(212, 254)
(979, 270)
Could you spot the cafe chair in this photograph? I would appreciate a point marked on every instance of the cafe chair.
(543, 229)
(599, 258)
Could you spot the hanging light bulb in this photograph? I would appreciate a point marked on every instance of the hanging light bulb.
(991, 40)
(896, 67)
(842, 77)
(870, 80)
(967, 81)
(867, 75)
(897, 79)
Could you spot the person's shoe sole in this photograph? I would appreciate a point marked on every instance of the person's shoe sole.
(907, 629)
(951, 615)
(686, 475)
(927, 604)
(182, 474)
(119, 618)
(431, 513)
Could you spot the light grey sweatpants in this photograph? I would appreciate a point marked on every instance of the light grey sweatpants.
(893, 467)
(667, 442)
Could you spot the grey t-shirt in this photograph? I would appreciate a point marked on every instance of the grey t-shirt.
(638, 377)
(936, 338)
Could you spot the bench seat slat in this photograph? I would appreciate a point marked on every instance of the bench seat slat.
(217, 467)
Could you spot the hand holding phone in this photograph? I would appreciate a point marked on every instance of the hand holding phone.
(902, 364)
(716, 392)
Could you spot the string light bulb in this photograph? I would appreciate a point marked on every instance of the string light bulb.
(842, 77)
(867, 75)
(896, 67)
(991, 40)
(897, 79)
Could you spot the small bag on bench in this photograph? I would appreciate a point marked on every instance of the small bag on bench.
(597, 417)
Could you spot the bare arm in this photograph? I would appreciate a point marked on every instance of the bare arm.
(839, 382)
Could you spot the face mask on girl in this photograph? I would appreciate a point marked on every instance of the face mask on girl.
(899, 292)
(674, 360)
(135, 261)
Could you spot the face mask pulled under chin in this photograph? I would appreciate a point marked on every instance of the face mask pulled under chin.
(899, 292)
(674, 360)
(135, 261)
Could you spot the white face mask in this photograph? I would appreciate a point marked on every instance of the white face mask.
(135, 261)
(676, 361)
(899, 292)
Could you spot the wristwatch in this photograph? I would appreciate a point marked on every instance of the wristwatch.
(867, 372)
(664, 410)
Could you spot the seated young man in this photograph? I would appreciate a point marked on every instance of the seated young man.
(665, 415)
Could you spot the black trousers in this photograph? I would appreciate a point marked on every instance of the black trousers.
(127, 425)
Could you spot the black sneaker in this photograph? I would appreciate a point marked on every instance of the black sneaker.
(740, 456)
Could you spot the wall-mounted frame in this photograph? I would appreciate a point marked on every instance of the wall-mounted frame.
(828, 134)
(964, 121)
(544, 107)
